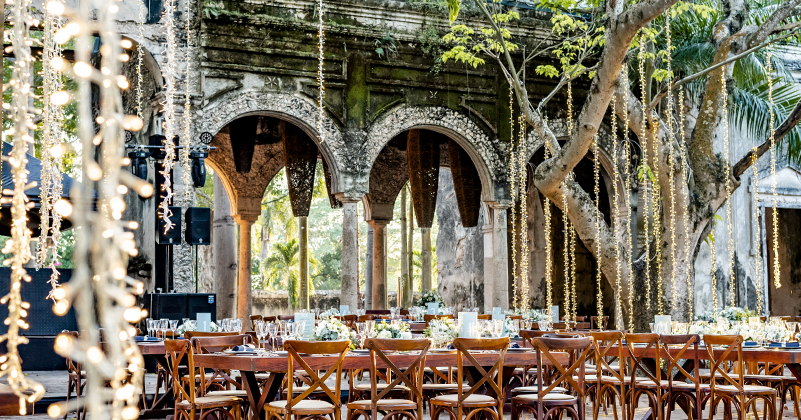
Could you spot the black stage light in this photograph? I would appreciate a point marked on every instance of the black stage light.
(198, 168)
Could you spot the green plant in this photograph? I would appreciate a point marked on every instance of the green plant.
(431, 46)
(386, 45)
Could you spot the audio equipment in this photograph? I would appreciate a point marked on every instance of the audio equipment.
(198, 226)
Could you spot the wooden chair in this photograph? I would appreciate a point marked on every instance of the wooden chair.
(651, 384)
(300, 406)
(594, 322)
(427, 318)
(286, 317)
(348, 320)
(581, 319)
(734, 391)
(253, 320)
(188, 405)
(76, 378)
(271, 318)
(220, 381)
(693, 392)
(546, 402)
(608, 383)
(793, 386)
(485, 317)
(365, 318)
(471, 400)
(528, 374)
(411, 378)
(194, 334)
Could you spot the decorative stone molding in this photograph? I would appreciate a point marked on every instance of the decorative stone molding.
(474, 140)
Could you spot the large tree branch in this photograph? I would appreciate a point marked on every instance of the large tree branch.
(789, 123)
(563, 82)
(692, 77)
(786, 10)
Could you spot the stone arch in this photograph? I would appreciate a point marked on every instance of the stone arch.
(457, 126)
(294, 109)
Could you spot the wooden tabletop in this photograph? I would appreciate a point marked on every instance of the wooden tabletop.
(772, 355)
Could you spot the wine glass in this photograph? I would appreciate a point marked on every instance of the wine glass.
(497, 327)
(174, 327)
(149, 326)
(164, 325)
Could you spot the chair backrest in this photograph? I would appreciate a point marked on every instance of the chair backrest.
(206, 345)
(579, 346)
(177, 351)
(604, 344)
(192, 334)
(485, 317)
(717, 367)
(286, 317)
(73, 366)
(686, 341)
(348, 320)
(638, 354)
(427, 318)
(492, 377)
(581, 319)
(253, 320)
(594, 322)
(528, 335)
(271, 318)
(295, 348)
(411, 376)
(520, 317)
(365, 318)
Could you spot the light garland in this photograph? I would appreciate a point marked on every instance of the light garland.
(100, 289)
(169, 114)
(714, 268)
(187, 142)
(19, 245)
(724, 121)
(524, 254)
(513, 167)
(548, 244)
(685, 220)
(627, 187)
(566, 232)
(573, 296)
(616, 221)
(776, 268)
(320, 77)
(597, 189)
(52, 114)
(656, 199)
(139, 59)
(757, 234)
(671, 163)
(646, 180)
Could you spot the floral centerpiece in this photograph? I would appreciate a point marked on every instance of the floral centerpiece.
(328, 313)
(775, 332)
(332, 329)
(701, 328)
(510, 328)
(430, 296)
(441, 331)
(731, 313)
(391, 330)
(743, 329)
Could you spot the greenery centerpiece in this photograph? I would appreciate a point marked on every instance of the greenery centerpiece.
(430, 296)
(441, 331)
(391, 330)
(731, 313)
(332, 329)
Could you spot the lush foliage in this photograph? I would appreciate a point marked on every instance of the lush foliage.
(731, 313)
(430, 296)
(441, 330)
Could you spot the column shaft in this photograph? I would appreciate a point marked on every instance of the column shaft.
(224, 252)
(501, 259)
(243, 297)
(425, 260)
(379, 265)
(303, 250)
(368, 271)
(350, 256)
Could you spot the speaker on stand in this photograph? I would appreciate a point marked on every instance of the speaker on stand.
(198, 231)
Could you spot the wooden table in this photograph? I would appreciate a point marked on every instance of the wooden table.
(159, 409)
(248, 366)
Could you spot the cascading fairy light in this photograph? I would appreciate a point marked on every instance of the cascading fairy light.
(566, 233)
(320, 76)
(170, 68)
(714, 268)
(102, 293)
(686, 199)
(757, 234)
(513, 168)
(186, 162)
(725, 123)
(656, 199)
(627, 190)
(139, 59)
(548, 244)
(52, 114)
(21, 113)
(671, 161)
(523, 175)
(775, 214)
(645, 179)
(616, 219)
(597, 189)
(573, 297)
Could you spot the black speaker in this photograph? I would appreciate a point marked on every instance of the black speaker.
(42, 320)
(165, 305)
(172, 236)
(201, 303)
(198, 226)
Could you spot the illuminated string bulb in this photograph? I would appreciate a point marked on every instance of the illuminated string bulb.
(656, 198)
(573, 297)
(757, 235)
(548, 243)
(596, 172)
(725, 123)
(320, 76)
(524, 254)
(671, 162)
(139, 58)
(775, 214)
(170, 67)
(513, 169)
(616, 219)
(186, 162)
(714, 268)
(21, 115)
(627, 190)
(566, 233)
(645, 186)
(686, 199)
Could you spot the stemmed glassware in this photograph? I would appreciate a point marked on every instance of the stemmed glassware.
(149, 325)
(272, 330)
(174, 327)
(164, 325)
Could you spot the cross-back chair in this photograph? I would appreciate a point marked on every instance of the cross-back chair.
(528, 374)
(547, 402)
(409, 379)
(220, 382)
(254, 319)
(733, 390)
(595, 324)
(188, 405)
(608, 382)
(300, 405)
(470, 399)
(76, 377)
(348, 320)
(636, 349)
(693, 393)
(192, 334)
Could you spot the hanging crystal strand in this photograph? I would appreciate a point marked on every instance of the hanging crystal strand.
(21, 113)
(187, 142)
(573, 296)
(725, 122)
(775, 214)
(320, 76)
(139, 58)
(524, 255)
(686, 200)
(566, 233)
(627, 191)
(51, 187)
(513, 175)
(598, 216)
(170, 69)
(645, 185)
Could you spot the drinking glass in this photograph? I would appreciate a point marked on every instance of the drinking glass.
(515, 328)
(546, 324)
(164, 325)
(149, 326)
(290, 329)
(272, 330)
(174, 327)
(497, 327)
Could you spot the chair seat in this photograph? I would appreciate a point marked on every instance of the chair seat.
(561, 398)
(534, 389)
(302, 407)
(399, 404)
(684, 386)
(747, 389)
(380, 387)
(228, 393)
(773, 378)
(210, 402)
(303, 388)
(473, 400)
(439, 387)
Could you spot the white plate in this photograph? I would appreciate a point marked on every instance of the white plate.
(281, 353)
(360, 351)
(519, 350)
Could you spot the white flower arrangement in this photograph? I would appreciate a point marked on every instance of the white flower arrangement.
(744, 330)
(441, 330)
(331, 329)
(391, 330)
(329, 313)
(509, 326)
(430, 296)
(731, 313)
(700, 328)
(776, 332)
(184, 328)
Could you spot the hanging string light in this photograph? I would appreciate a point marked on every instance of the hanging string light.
(320, 79)
(757, 234)
(523, 175)
(686, 200)
(725, 123)
(51, 151)
(598, 216)
(513, 169)
(671, 161)
(170, 68)
(139, 58)
(775, 214)
(186, 162)
(21, 113)
(714, 268)
(102, 293)
(573, 296)
(627, 191)
(548, 244)
(616, 219)
(656, 198)
(645, 178)
(566, 233)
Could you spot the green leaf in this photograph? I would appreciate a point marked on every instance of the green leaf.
(453, 9)
(547, 71)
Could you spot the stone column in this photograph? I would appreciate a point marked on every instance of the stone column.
(243, 297)
(368, 271)
(379, 264)
(489, 266)
(500, 254)
(425, 260)
(404, 295)
(224, 248)
(350, 255)
(303, 257)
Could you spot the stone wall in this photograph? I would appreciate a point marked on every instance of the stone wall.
(277, 303)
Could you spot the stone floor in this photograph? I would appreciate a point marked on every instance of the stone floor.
(55, 382)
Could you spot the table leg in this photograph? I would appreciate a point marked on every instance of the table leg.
(160, 403)
(256, 398)
(795, 369)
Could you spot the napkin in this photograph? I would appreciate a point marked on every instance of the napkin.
(515, 346)
(243, 348)
(143, 338)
